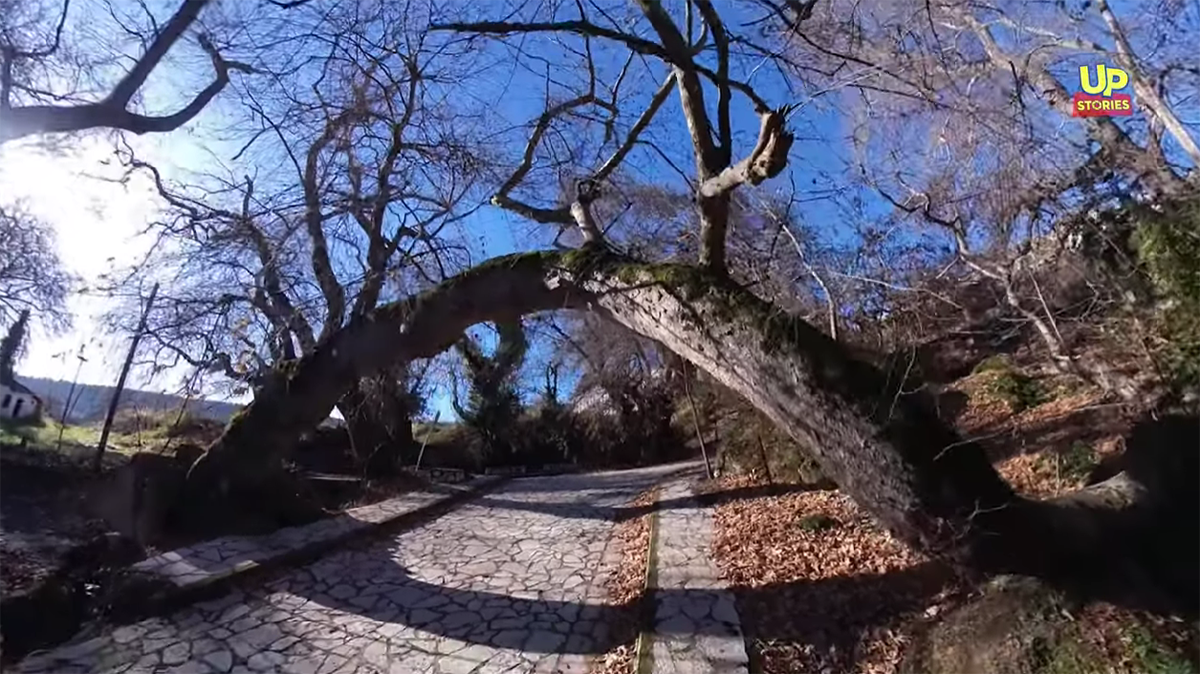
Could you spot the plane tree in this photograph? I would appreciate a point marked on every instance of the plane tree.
(371, 170)
(49, 85)
(885, 447)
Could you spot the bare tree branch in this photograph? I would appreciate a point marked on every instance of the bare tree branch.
(112, 111)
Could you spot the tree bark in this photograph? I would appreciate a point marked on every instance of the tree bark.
(379, 424)
(931, 488)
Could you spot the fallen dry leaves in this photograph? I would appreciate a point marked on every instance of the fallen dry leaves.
(820, 587)
(1028, 446)
(22, 568)
(626, 583)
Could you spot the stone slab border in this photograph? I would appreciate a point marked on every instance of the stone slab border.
(695, 625)
(643, 662)
(173, 580)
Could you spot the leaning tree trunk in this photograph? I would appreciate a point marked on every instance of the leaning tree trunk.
(379, 424)
(889, 451)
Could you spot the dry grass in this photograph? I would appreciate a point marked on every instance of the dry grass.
(626, 586)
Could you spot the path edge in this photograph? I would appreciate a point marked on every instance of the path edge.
(643, 659)
(165, 596)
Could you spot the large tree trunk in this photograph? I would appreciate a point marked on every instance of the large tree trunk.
(379, 424)
(890, 452)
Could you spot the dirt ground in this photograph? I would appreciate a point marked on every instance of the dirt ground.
(822, 588)
(42, 515)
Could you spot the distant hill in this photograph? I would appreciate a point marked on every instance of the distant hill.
(91, 402)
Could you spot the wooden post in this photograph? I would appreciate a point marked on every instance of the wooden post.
(708, 471)
(116, 397)
(62, 423)
(432, 428)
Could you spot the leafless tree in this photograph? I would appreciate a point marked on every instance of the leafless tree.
(40, 73)
(379, 174)
(926, 484)
(984, 93)
(32, 277)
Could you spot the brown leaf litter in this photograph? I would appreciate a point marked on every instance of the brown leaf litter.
(626, 583)
(820, 587)
(1031, 448)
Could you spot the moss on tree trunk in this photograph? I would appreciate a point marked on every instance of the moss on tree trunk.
(888, 449)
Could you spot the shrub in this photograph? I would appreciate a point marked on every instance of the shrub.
(1077, 463)
(994, 363)
(1018, 390)
(1072, 466)
(493, 406)
(1168, 248)
(1149, 655)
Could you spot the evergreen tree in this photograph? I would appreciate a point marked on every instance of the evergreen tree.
(11, 349)
(493, 405)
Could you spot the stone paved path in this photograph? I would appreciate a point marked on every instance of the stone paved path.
(211, 560)
(696, 624)
(509, 582)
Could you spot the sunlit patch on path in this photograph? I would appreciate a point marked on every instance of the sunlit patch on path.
(511, 582)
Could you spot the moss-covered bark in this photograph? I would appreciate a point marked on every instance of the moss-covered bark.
(301, 393)
(887, 449)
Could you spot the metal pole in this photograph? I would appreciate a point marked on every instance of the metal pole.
(112, 404)
(62, 423)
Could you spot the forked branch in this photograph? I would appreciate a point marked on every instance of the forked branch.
(767, 160)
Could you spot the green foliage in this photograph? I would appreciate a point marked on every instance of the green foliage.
(42, 433)
(994, 363)
(635, 430)
(1077, 462)
(1148, 655)
(549, 433)
(13, 346)
(1168, 244)
(17, 432)
(1142, 653)
(493, 405)
(1067, 656)
(1168, 248)
(1017, 389)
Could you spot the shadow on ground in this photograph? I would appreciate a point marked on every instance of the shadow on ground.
(826, 624)
(827, 614)
(529, 621)
(1015, 436)
(572, 509)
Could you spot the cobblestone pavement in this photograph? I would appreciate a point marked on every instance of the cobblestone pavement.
(509, 582)
(213, 559)
(696, 624)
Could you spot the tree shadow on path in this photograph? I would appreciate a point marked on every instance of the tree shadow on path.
(581, 509)
(820, 611)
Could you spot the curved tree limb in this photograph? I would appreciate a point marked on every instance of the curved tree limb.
(891, 453)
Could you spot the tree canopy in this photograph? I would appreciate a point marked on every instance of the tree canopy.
(782, 193)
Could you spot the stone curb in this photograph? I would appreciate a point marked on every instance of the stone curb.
(643, 658)
(695, 625)
(169, 592)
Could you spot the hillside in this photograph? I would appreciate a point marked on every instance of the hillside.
(91, 402)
